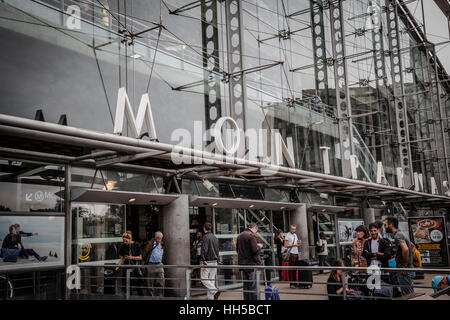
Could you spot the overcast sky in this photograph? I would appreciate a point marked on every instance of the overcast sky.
(436, 27)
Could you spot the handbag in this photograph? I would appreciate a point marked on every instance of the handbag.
(137, 272)
(285, 255)
(320, 248)
(10, 255)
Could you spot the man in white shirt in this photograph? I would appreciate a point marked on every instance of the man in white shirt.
(291, 242)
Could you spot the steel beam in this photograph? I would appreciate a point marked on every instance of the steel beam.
(211, 65)
(341, 85)
(237, 83)
(319, 49)
(399, 93)
(381, 83)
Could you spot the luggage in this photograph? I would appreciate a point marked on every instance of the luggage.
(305, 277)
(10, 255)
(272, 293)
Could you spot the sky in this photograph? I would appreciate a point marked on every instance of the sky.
(436, 27)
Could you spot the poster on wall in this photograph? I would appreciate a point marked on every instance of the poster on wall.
(429, 236)
(347, 231)
(30, 242)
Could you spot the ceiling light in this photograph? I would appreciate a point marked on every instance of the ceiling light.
(136, 56)
(132, 200)
(238, 198)
(323, 210)
(281, 208)
(214, 204)
(251, 206)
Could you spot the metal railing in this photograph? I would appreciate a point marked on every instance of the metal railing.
(180, 283)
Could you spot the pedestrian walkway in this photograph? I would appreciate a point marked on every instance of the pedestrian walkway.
(319, 290)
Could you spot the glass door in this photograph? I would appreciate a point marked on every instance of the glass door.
(326, 222)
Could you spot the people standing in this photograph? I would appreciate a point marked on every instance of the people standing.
(130, 254)
(248, 250)
(322, 250)
(279, 241)
(403, 256)
(292, 242)
(209, 256)
(153, 254)
(376, 250)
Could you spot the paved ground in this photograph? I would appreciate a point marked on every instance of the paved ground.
(318, 291)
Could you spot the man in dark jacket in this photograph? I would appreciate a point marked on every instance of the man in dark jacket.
(248, 250)
(377, 250)
(209, 256)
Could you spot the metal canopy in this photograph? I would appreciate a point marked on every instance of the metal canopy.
(120, 197)
(288, 177)
(325, 208)
(236, 203)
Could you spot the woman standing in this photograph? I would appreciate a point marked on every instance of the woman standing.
(278, 241)
(358, 245)
(322, 250)
(131, 254)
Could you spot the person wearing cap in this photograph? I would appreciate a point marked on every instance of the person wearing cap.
(440, 282)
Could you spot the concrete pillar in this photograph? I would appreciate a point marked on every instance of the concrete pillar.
(299, 218)
(368, 216)
(175, 218)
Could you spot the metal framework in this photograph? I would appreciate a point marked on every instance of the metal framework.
(399, 93)
(381, 83)
(210, 43)
(343, 105)
(237, 83)
(319, 50)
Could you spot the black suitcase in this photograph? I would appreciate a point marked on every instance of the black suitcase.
(305, 277)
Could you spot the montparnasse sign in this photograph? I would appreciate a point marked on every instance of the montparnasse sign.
(281, 150)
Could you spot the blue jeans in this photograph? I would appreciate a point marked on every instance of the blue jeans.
(406, 282)
(249, 286)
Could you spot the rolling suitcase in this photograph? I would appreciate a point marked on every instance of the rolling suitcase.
(304, 276)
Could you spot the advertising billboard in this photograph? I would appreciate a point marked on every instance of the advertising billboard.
(347, 230)
(30, 242)
(430, 238)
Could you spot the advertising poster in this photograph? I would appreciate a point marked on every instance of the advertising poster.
(429, 236)
(347, 230)
(40, 240)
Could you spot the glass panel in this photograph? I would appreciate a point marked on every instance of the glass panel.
(97, 231)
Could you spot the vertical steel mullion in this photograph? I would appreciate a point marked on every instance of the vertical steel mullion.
(434, 116)
(319, 50)
(341, 83)
(443, 128)
(237, 83)
(399, 93)
(211, 63)
(416, 59)
(381, 84)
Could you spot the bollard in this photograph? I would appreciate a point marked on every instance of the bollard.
(127, 289)
(188, 284)
(258, 288)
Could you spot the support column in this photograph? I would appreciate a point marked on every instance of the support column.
(400, 107)
(68, 225)
(343, 105)
(299, 218)
(175, 218)
(368, 216)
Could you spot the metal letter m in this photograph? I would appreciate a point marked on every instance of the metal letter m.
(124, 109)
